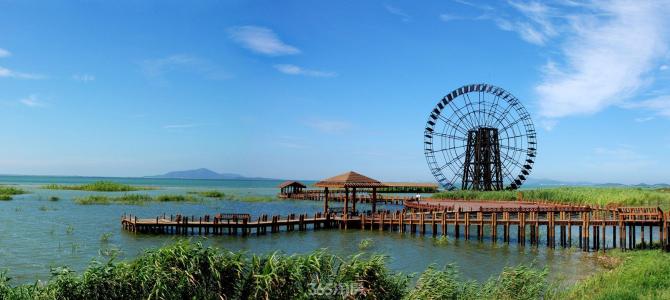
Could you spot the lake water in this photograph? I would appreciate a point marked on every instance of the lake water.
(37, 234)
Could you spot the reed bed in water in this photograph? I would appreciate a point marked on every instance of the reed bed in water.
(574, 195)
(6, 192)
(187, 270)
(134, 199)
(98, 186)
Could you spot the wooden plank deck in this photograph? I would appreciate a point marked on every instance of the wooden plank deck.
(494, 224)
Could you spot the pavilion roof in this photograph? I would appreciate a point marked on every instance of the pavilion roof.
(350, 179)
(291, 183)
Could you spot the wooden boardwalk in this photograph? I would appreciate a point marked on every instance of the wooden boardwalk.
(591, 229)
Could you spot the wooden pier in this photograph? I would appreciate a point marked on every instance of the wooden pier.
(591, 229)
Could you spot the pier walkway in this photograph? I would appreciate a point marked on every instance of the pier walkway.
(565, 226)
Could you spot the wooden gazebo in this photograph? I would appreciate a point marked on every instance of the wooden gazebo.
(287, 188)
(350, 180)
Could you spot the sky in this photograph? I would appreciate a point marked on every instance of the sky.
(311, 89)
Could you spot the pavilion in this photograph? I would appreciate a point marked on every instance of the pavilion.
(287, 188)
(350, 180)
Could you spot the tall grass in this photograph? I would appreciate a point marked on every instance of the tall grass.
(133, 199)
(186, 270)
(6, 192)
(98, 186)
(209, 194)
(573, 195)
(639, 275)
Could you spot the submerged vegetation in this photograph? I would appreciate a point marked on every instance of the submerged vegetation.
(186, 270)
(575, 195)
(98, 186)
(133, 199)
(6, 192)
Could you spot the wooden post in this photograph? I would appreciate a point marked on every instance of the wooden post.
(353, 196)
(374, 200)
(325, 200)
(494, 227)
(346, 201)
(467, 226)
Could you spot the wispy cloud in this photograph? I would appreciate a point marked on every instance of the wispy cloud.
(4, 53)
(446, 17)
(398, 12)
(663, 67)
(7, 73)
(606, 58)
(330, 126)
(180, 126)
(157, 68)
(296, 70)
(261, 40)
(32, 101)
(643, 119)
(83, 77)
(660, 105)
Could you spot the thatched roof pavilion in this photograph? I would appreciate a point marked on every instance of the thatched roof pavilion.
(349, 180)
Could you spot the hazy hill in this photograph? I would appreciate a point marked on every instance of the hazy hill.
(204, 173)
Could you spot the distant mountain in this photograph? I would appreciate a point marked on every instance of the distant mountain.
(554, 183)
(204, 173)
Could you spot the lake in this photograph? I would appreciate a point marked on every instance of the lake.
(37, 234)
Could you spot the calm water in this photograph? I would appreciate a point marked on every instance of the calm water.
(37, 234)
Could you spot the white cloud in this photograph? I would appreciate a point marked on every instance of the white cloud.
(398, 12)
(536, 27)
(330, 126)
(32, 101)
(643, 119)
(446, 17)
(83, 77)
(663, 67)
(4, 53)
(660, 105)
(261, 40)
(7, 73)
(157, 68)
(296, 70)
(607, 57)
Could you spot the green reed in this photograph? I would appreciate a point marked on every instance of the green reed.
(98, 186)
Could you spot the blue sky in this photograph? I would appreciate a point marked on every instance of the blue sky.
(308, 89)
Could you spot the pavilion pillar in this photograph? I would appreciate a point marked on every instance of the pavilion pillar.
(346, 200)
(374, 200)
(325, 200)
(353, 198)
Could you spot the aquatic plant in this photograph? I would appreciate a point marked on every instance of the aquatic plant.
(209, 194)
(133, 199)
(175, 198)
(69, 229)
(54, 198)
(254, 198)
(441, 241)
(366, 244)
(6, 192)
(105, 237)
(98, 186)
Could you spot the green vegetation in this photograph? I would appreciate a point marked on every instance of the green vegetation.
(366, 244)
(98, 186)
(6, 192)
(105, 237)
(54, 198)
(254, 198)
(133, 199)
(209, 194)
(575, 195)
(190, 271)
(633, 275)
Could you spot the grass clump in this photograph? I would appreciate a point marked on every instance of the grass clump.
(209, 194)
(366, 244)
(255, 198)
(639, 275)
(175, 198)
(6, 192)
(98, 186)
(133, 199)
(190, 271)
(602, 196)
(54, 198)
